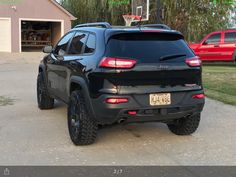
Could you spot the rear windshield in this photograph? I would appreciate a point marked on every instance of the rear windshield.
(148, 47)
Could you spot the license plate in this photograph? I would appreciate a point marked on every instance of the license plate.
(160, 99)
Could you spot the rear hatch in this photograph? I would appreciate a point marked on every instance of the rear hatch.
(159, 63)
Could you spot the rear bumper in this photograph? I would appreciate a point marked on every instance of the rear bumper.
(182, 105)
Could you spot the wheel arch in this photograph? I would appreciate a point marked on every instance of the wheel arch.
(78, 83)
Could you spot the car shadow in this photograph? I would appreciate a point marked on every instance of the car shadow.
(133, 131)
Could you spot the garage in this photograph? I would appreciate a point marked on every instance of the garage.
(37, 34)
(5, 35)
(27, 26)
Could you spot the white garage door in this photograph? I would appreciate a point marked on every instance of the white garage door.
(5, 35)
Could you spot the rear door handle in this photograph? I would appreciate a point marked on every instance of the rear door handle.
(216, 45)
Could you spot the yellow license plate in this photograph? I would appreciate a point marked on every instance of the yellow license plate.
(160, 99)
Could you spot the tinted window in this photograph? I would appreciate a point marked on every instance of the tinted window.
(148, 48)
(230, 37)
(91, 44)
(213, 39)
(78, 43)
(61, 47)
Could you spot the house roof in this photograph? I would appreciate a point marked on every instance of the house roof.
(72, 17)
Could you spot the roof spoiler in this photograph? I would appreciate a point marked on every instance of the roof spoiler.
(157, 26)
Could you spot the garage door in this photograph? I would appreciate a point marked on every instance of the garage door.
(5, 35)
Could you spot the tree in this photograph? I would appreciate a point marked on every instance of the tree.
(97, 10)
(194, 18)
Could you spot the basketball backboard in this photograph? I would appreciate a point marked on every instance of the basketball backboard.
(141, 8)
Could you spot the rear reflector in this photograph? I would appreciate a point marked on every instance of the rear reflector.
(198, 96)
(116, 100)
(194, 62)
(109, 62)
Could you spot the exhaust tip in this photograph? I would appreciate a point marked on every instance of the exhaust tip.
(121, 121)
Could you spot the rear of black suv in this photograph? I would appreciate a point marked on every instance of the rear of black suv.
(148, 76)
(133, 75)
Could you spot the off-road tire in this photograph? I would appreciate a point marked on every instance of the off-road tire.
(185, 126)
(44, 99)
(234, 57)
(82, 127)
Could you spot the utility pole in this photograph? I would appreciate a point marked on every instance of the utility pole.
(159, 11)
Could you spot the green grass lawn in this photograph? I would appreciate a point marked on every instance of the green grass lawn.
(220, 83)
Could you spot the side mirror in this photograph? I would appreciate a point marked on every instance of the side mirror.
(47, 49)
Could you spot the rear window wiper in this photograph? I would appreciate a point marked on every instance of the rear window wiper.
(169, 57)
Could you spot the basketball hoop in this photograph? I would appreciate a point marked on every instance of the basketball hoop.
(130, 18)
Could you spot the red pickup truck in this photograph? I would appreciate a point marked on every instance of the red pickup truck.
(217, 46)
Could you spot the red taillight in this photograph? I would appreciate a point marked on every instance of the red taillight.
(109, 62)
(116, 100)
(198, 96)
(194, 62)
(132, 113)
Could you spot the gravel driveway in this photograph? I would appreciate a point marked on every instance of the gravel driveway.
(29, 136)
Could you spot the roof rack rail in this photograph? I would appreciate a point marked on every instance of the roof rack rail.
(97, 24)
(159, 26)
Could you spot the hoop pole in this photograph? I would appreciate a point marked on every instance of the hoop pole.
(159, 12)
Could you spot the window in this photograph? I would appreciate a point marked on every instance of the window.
(61, 47)
(213, 39)
(230, 37)
(78, 43)
(147, 48)
(91, 44)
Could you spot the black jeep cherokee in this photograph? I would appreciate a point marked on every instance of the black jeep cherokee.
(110, 75)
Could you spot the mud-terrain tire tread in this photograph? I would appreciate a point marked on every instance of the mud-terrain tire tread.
(88, 126)
(185, 126)
(46, 102)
